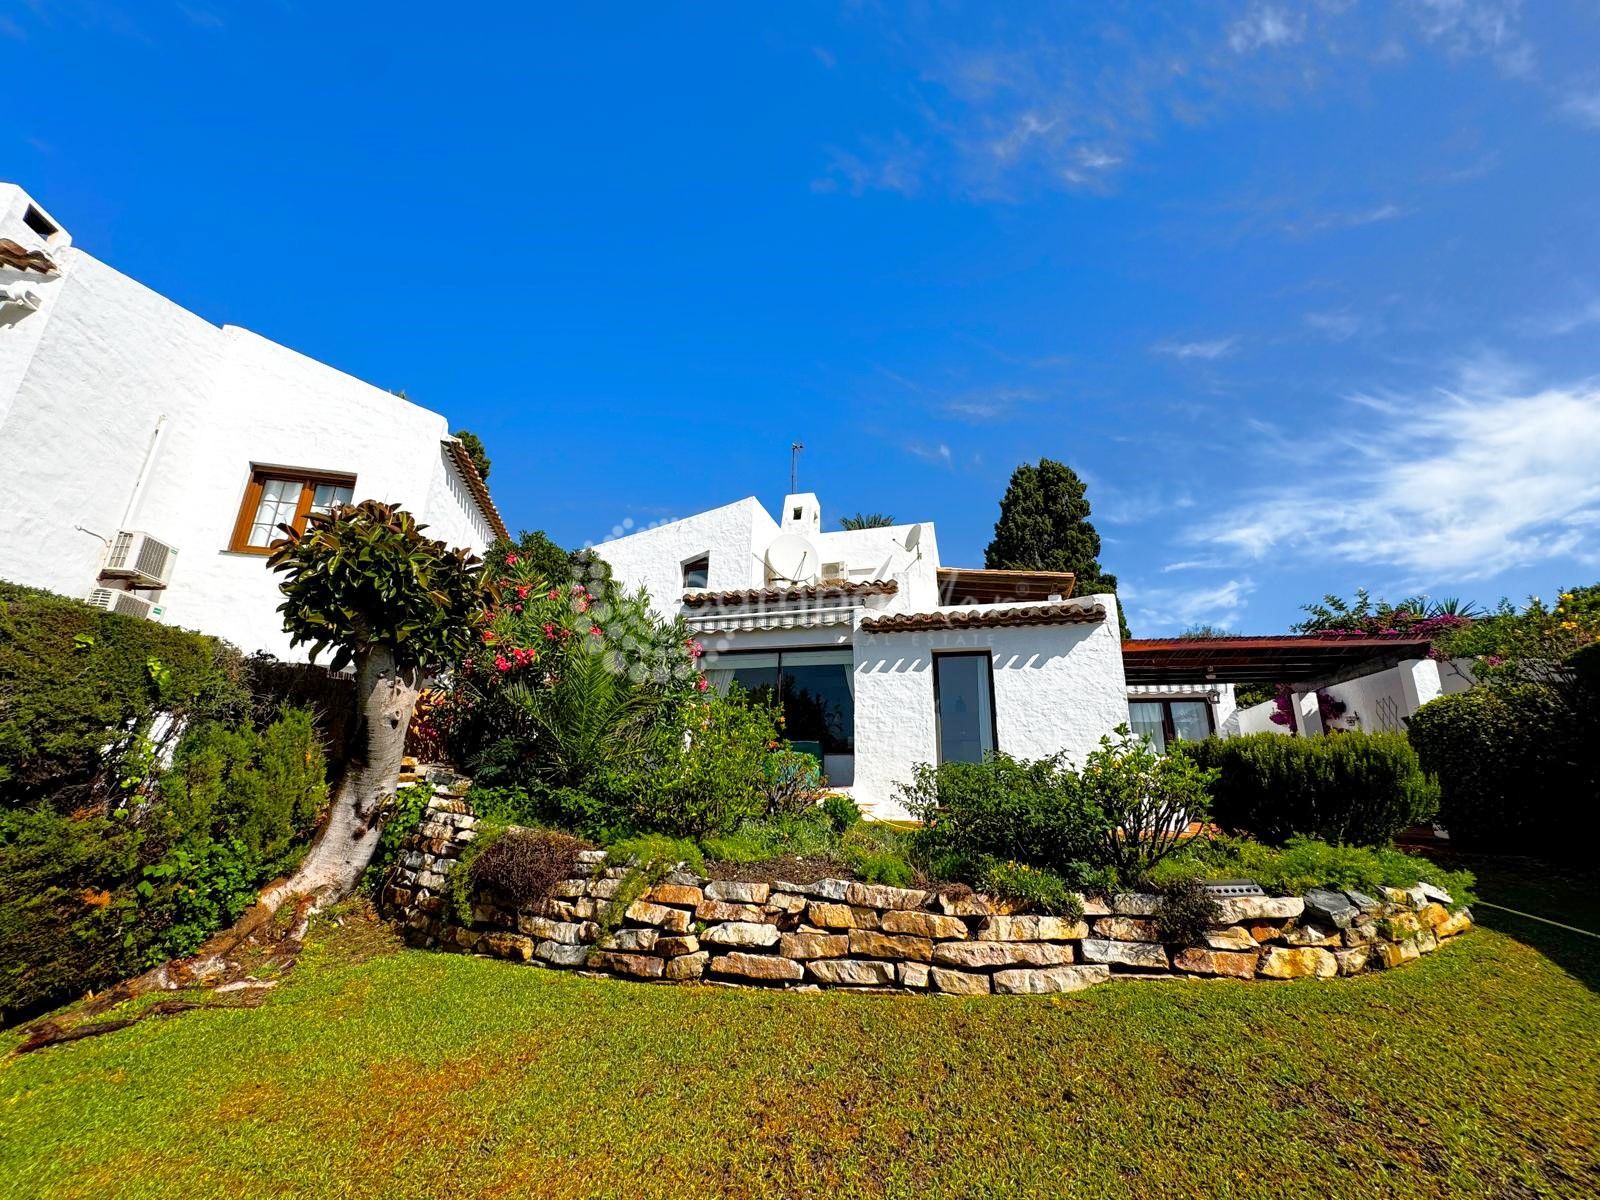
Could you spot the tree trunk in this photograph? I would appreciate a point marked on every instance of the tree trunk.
(387, 696)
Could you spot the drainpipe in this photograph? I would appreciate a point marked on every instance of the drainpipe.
(144, 472)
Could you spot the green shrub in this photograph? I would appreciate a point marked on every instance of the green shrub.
(73, 677)
(650, 858)
(792, 782)
(878, 853)
(1348, 788)
(1305, 863)
(1518, 768)
(841, 811)
(1031, 889)
(1009, 810)
(808, 835)
(1185, 910)
(405, 814)
(718, 780)
(1145, 800)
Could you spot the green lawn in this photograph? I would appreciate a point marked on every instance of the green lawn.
(378, 1072)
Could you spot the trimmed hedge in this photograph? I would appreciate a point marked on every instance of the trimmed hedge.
(1346, 788)
(1518, 768)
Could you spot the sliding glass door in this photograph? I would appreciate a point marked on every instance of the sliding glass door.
(815, 689)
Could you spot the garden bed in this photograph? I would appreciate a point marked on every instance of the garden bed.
(680, 925)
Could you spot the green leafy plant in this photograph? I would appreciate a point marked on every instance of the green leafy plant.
(1009, 810)
(878, 853)
(1145, 799)
(1030, 889)
(649, 859)
(409, 806)
(841, 812)
(1357, 788)
(1185, 910)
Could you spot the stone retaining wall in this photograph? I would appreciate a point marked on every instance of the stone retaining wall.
(841, 933)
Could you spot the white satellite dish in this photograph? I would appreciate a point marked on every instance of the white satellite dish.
(791, 558)
(913, 539)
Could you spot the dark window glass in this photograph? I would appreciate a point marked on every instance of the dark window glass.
(697, 574)
(964, 705)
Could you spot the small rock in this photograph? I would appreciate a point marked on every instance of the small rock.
(673, 920)
(676, 947)
(960, 983)
(687, 966)
(1432, 915)
(758, 966)
(1127, 929)
(1458, 923)
(1236, 938)
(737, 892)
(1354, 960)
(724, 910)
(635, 941)
(814, 945)
(825, 889)
(1391, 954)
(922, 924)
(971, 955)
(1051, 980)
(639, 966)
(1144, 955)
(877, 895)
(1282, 963)
(1363, 901)
(1135, 904)
(560, 954)
(1239, 909)
(913, 975)
(570, 932)
(1238, 965)
(1330, 908)
(1032, 929)
(965, 906)
(741, 933)
(1309, 935)
(840, 916)
(786, 903)
(870, 944)
(508, 945)
(1437, 894)
(675, 893)
(604, 889)
(1094, 906)
(849, 972)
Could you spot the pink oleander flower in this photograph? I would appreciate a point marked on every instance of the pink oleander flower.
(596, 631)
(549, 631)
(553, 594)
(522, 591)
(502, 663)
(696, 649)
(512, 560)
(701, 684)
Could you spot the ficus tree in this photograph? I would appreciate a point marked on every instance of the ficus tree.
(364, 584)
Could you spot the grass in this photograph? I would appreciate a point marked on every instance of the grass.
(378, 1072)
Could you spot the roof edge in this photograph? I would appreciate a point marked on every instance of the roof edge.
(476, 485)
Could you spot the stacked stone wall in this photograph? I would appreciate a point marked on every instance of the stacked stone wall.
(839, 933)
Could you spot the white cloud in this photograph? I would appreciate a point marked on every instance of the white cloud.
(895, 166)
(1177, 608)
(987, 404)
(1216, 348)
(1335, 326)
(1266, 26)
(1559, 324)
(1468, 28)
(1583, 107)
(935, 454)
(1446, 486)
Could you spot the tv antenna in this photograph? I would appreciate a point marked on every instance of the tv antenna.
(794, 464)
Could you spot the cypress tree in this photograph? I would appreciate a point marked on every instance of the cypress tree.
(1044, 526)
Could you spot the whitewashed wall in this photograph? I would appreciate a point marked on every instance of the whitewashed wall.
(1056, 687)
(111, 361)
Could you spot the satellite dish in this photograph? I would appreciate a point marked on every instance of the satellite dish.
(793, 559)
(913, 539)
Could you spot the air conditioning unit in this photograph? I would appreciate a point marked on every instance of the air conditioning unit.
(129, 604)
(141, 558)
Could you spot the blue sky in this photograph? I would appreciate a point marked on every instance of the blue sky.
(1309, 293)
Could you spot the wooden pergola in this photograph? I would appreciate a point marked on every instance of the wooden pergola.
(1288, 658)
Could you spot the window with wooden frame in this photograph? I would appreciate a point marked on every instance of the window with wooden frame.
(281, 496)
(1163, 722)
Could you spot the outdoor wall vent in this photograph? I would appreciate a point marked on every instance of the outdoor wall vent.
(140, 558)
(126, 603)
(1235, 887)
(39, 223)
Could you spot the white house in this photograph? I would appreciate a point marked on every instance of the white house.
(150, 453)
(881, 657)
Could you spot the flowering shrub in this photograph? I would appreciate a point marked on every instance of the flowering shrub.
(1329, 707)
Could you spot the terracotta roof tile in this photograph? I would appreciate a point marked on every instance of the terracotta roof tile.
(800, 591)
(1064, 613)
(475, 485)
(20, 259)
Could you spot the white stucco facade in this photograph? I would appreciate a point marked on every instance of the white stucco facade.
(120, 410)
(1055, 686)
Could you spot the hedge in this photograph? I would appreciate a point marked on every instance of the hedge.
(1518, 768)
(1356, 789)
